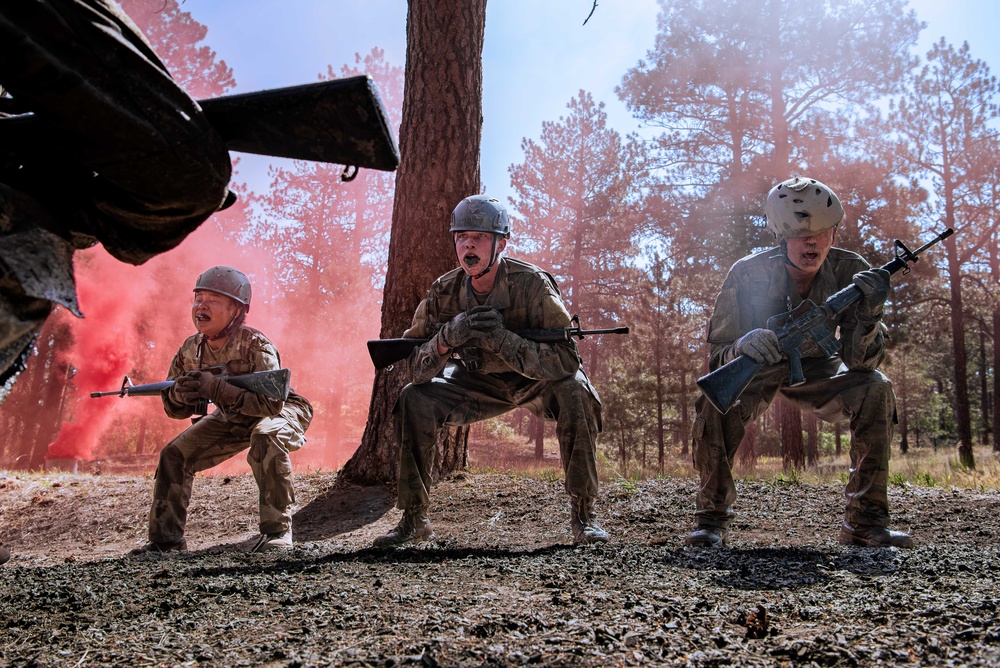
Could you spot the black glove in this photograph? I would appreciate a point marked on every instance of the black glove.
(760, 345)
(874, 286)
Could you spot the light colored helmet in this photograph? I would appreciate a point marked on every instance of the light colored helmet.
(480, 213)
(801, 207)
(226, 281)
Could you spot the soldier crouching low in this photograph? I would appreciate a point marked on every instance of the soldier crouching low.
(475, 367)
(242, 419)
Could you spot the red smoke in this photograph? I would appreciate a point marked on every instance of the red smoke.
(137, 317)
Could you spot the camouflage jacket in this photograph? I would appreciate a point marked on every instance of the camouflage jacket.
(527, 298)
(758, 287)
(246, 351)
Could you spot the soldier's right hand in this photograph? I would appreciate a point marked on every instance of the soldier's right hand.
(760, 345)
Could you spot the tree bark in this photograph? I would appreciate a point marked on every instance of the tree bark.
(439, 142)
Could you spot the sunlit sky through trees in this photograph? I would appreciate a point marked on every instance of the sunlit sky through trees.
(537, 55)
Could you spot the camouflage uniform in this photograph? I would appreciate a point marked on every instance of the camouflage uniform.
(270, 428)
(545, 378)
(115, 152)
(847, 385)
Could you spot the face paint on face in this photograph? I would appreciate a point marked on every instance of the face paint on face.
(211, 312)
(473, 250)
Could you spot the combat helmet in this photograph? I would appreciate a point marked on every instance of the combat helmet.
(480, 213)
(226, 281)
(802, 207)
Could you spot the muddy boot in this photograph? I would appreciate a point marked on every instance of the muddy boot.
(4, 555)
(873, 537)
(414, 526)
(583, 522)
(706, 536)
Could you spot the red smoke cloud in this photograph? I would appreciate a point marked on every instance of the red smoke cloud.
(137, 317)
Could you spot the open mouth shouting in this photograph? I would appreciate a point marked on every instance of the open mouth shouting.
(471, 260)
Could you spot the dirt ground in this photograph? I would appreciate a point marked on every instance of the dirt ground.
(500, 586)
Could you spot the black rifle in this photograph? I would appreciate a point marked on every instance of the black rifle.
(386, 352)
(272, 384)
(341, 121)
(805, 322)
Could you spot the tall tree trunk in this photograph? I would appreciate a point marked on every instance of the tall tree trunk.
(984, 392)
(812, 439)
(537, 428)
(790, 423)
(439, 142)
(963, 411)
(747, 450)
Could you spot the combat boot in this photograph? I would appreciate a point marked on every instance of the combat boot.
(583, 522)
(159, 548)
(269, 542)
(706, 536)
(414, 526)
(873, 537)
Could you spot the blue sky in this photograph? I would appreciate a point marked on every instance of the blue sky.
(537, 56)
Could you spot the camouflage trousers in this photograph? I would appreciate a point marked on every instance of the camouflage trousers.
(830, 392)
(459, 398)
(212, 440)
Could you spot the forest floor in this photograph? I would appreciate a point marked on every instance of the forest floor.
(500, 586)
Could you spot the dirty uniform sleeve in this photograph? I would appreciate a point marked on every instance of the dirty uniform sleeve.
(173, 408)
(425, 361)
(542, 361)
(725, 328)
(862, 342)
(263, 357)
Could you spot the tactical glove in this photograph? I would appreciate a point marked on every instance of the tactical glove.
(760, 345)
(459, 329)
(214, 388)
(874, 286)
(487, 328)
(184, 391)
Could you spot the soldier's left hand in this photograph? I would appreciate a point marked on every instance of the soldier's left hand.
(487, 328)
(203, 383)
(874, 286)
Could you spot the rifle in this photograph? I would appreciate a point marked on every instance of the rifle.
(805, 322)
(341, 121)
(272, 384)
(386, 352)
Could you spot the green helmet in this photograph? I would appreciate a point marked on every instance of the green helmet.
(480, 213)
(226, 281)
(802, 207)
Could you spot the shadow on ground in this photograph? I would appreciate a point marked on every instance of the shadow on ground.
(342, 508)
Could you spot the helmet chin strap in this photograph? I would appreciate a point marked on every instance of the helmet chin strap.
(788, 260)
(233, 323)
(493, 259)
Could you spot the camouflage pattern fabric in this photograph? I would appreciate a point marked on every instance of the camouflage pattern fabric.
(545, 378)
(848, 385)
(270, 429)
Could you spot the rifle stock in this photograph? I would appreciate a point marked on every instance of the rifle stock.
(341, 121)
(723, 386)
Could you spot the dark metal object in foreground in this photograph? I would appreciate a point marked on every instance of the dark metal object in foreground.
(386, 352)
(341, 121)
(806, 322)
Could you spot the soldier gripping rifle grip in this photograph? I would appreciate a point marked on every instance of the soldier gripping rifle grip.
(272, 384)
(386, 352)
(806, 322)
